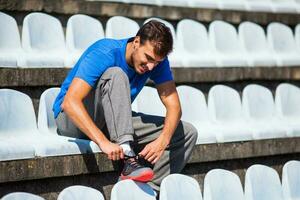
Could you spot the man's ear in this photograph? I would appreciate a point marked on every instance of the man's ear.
(136, 41)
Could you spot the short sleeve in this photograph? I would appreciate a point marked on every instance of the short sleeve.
(93, 65)
(162, 73)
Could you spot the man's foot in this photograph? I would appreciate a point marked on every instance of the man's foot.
(135, 171)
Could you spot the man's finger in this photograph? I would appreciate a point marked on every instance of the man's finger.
(144, 152)
(152, 158)
(149, 154)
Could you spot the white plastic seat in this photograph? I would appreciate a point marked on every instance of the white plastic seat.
(129, 189)
(283, 45)
(196, 51)
(231, 4)
(220, 184)
(194, 111)
(225, 44)
(284, 6)
(297, 34)
(287, 100)
(225, 109)
(147, 2)
(259, 5)
(175, 56)
(10, 44)
(203, 4)
(79, 192)
(263, 183)
(43, 41)
(257, 50)
(148, 102)
(178, 187)
(47, 124)
(21, 196)
(119, 27)
(82, 31)
(291, 180)
(259, 110)
(177, 3)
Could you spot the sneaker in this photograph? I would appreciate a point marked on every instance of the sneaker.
(135, 171)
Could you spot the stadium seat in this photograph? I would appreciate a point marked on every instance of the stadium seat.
(263, 183)
(297, 34)
(284, 6)
(176, 3)
(82, 31)
(147, 2)
(256, 48)
(231, 4)
(226, 46)
(79, 192)
(119, 27)
(21, 196)
(194, 111)
(175, 57)
(10, 44)
(196, 51)
(47, 124)
(287, 100)
(282, 42)
(291, 180)
(220, 184)
(43, 41)
(203, 4)
(258, 5)
(260, 113)
(138, 191)
(178, 187)
(148, 102)
(225, 109)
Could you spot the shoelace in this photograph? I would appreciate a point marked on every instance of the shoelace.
(133, 162)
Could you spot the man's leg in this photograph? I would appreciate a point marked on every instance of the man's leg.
(147, 128)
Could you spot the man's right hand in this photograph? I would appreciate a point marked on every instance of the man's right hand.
(112, 150)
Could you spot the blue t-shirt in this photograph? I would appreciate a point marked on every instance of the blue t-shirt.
(107, 53)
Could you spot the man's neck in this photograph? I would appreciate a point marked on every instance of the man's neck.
(128, 53)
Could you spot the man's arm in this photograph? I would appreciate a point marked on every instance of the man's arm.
(169, 97)
(73, 106)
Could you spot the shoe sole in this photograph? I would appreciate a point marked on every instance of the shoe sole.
(143, 177)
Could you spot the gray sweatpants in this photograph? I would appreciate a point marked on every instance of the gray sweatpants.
(109, 105)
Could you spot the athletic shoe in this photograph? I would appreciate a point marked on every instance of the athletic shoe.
(135, 171)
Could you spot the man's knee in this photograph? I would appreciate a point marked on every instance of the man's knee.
(117, 74)
(190, 131)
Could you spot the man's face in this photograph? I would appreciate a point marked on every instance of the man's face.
(143, 57)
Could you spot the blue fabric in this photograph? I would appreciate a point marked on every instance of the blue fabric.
(107, 53)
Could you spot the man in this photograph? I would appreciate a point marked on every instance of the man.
(95, 101)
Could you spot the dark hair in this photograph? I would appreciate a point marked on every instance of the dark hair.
(159, 35)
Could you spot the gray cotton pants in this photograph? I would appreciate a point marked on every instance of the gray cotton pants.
(109, 105)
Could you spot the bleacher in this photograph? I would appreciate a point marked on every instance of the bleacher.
(236, 66)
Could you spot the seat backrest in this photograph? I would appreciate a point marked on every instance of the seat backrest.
(42, 32)
(187, 29)
(16, 113)
(224, 103)
(21, 196)
(193, 104)
(258, 102)
(297, 35)
(291, 180)
(119, 27)
(257, 44)
(148, 102)
(128, 189)
(280, 38)
(178, 187)
(223, 37)
(46, 121)
(220, 184)
(9, 32)
(287, 100)
(79, 192)
(82, 31)
(262, 182)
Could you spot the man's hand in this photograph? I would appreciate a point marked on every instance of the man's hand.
(153, 151)
(112, 150)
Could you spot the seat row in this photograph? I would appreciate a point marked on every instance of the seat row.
(44, 45)
(224, 119)
(261, 183)
(277, 6)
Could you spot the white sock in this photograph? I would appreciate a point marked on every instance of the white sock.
(127, 149)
